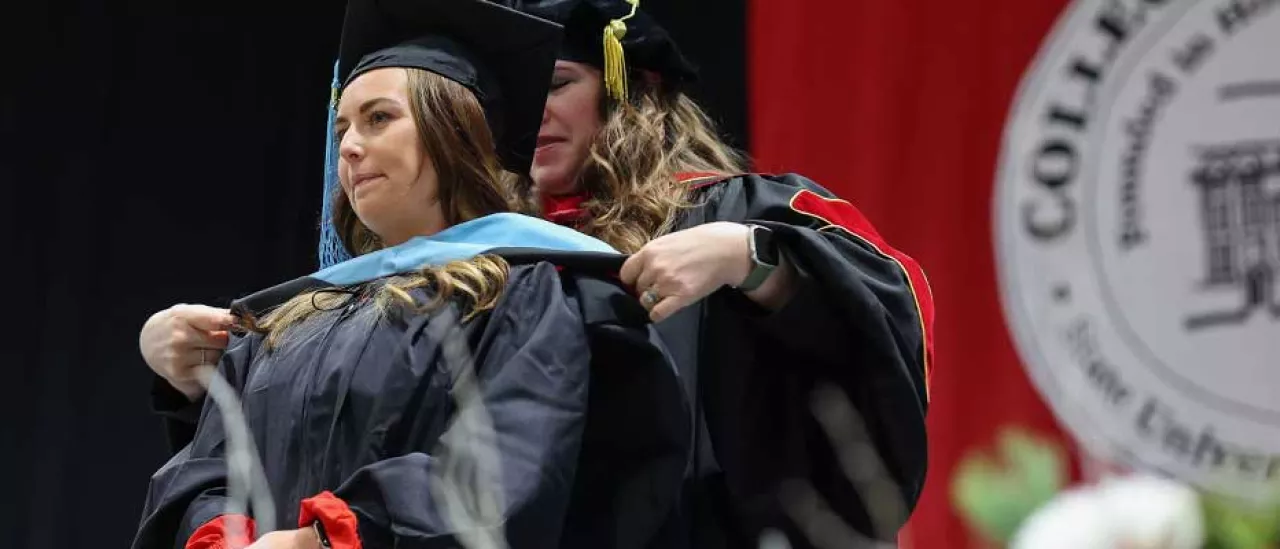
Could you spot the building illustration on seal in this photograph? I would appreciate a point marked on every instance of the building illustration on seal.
(1239, 186)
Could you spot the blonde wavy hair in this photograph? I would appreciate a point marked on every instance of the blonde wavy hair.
(452, 128)
(631, 172)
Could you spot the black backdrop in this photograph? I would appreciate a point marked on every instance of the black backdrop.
(152, 153)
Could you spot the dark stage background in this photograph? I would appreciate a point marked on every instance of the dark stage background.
(155, 153)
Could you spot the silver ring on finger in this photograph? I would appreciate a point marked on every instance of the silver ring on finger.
(650, 298)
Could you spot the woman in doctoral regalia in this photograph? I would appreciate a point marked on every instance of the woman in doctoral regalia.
(351, 379)
(768, 289)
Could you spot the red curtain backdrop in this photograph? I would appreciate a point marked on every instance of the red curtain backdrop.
(899, 107)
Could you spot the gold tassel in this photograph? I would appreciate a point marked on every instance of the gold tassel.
(615, 62)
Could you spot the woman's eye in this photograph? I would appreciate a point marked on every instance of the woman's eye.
(378, 117)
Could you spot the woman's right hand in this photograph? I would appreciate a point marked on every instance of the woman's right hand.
(176, 340)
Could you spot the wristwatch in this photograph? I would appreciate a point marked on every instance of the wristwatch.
(321, 535)
(764, 257)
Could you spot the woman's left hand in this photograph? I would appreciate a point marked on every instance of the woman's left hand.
(680, 268)
(302, 538)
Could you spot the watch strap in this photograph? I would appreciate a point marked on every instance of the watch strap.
(759, 273)
(760, 270)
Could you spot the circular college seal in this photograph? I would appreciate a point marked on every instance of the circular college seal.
(1138, 234)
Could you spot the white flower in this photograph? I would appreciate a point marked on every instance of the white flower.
(1136, 512)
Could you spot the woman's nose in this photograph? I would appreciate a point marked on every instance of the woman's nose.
(350, 147)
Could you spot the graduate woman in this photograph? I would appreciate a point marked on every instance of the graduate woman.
(767, 288)
(348, 388)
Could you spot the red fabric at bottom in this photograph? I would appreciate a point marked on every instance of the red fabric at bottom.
(213, 534)
(340, 524)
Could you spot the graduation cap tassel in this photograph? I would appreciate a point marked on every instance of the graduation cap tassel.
(615, 62)
(331, 251)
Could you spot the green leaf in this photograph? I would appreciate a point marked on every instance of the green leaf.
(1233, 524)
(994, 494)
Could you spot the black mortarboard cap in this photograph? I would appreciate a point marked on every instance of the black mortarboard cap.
(503, 56)
(646, 44)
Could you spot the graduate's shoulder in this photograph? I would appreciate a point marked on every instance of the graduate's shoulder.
(588, 281)
(514, 293)
(557, 276)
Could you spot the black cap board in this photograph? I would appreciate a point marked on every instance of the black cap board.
(646, 44)
(505, 57)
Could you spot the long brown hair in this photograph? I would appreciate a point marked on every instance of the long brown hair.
(631, 172)
(452, 128)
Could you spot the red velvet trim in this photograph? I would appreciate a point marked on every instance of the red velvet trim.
(840, 213)
(213, 534)
(685, 177)
(699, 180)
(565, 210)
(339, 522)
(566, 202)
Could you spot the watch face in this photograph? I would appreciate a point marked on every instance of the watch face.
(766, 249)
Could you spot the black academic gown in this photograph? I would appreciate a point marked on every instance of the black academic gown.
(361, 408)
(859, 322)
